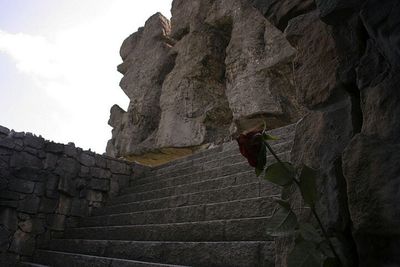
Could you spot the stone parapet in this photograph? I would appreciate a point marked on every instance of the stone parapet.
(45, 186)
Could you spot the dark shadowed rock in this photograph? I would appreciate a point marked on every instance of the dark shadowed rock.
(337, 11)
(279, 12)
(321, 136)
(4, 131)
(316, 59)
(372, 172)
(23, 243)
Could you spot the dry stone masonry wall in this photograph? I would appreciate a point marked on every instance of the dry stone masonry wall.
(45, 186)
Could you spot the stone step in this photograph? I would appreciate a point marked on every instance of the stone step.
(230, 193)
(183, 182)
(283, 133)
(63, 259)
(282, 146)
(247, 229)
(207, 163)
(30, 264)
(201, 254)
(194, 187)
(245, 208)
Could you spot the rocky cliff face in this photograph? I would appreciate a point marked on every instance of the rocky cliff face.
(224, 66)
(218, 69)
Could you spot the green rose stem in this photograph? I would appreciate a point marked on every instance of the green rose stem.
(312, 208)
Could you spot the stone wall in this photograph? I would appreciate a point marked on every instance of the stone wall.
(44, 186)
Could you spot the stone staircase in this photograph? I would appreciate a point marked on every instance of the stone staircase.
(208, 209)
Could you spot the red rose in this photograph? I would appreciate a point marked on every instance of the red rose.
(250, 145)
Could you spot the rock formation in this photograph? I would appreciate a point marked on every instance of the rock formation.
(333, 63)
(220, 68)
(146, 63)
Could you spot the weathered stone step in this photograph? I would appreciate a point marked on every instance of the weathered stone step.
(194, 183)
(204, 164)
(247, 229)
(201, 254)
(63, 259)
(221, 157)
(250, 190)
(30, 264)
(185, 181)
(203, 175)
(243, 191)
(284, 134)
(245, 208)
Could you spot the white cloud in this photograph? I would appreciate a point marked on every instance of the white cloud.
(75, 68)
(34, 55)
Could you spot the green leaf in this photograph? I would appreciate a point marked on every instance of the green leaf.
(309, 233)
(268, 137)
(308, 186)
(304, 254)
(283, 203)
(278, 174)
(331, 262)
(282, 223)
(261, 160)
(288, 191)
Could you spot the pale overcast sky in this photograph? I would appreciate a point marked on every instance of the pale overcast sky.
(58, 61)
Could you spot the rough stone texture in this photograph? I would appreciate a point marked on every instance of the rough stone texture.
(43, 189)
(225, 69)
(197, 84)
(208, 209)
(324, 135)
(364, 133)
(279, 12)
(316, 59)
(222, 68)
(146, 63)
(258, 70)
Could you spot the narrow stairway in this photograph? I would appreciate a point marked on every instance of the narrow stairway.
(208, 209)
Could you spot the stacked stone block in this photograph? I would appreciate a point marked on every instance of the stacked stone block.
(45, 186)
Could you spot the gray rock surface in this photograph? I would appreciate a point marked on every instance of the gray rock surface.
(316, 59)
(362, 154)
(146, 63)
(220, 69)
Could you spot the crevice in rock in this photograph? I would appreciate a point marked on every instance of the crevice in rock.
(351, 248)
(182, 33)
(164, 71)
(219, 118)
(279, 12)
(356, 112)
